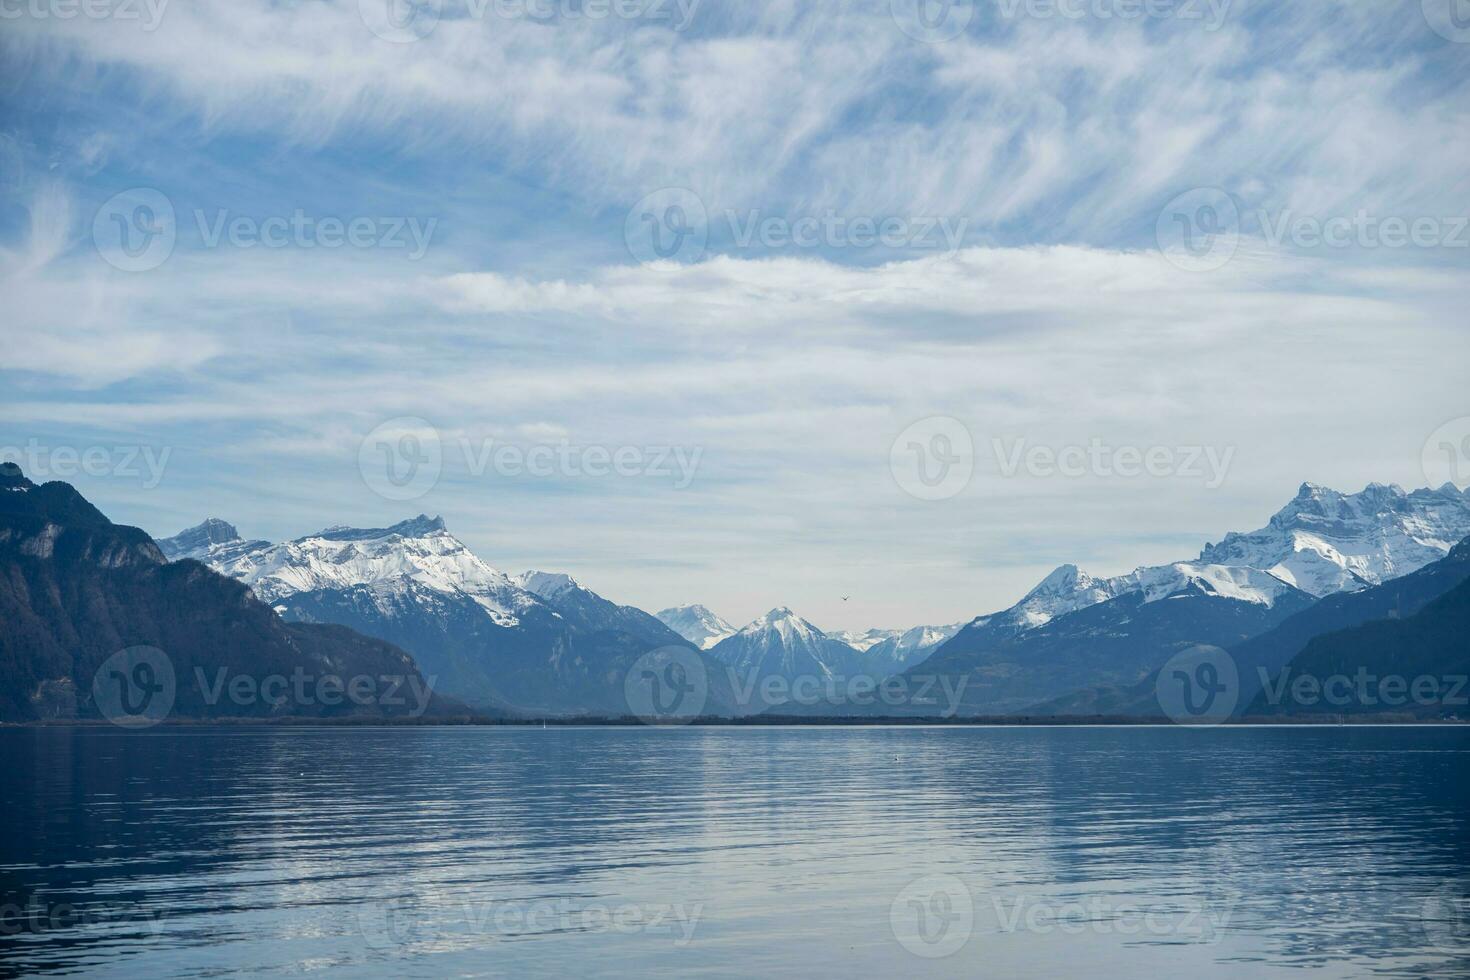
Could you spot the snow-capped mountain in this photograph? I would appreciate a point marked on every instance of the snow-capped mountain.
(1325, 541)
(589, 611)
(1322, 542)
(490, 641)
(419, 552)
(890, 651)
(696, 624)
(782, 644)
(1075, 631)
(214, 537)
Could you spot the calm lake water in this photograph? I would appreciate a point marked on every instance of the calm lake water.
(1008, 852)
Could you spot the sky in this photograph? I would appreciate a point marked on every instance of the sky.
(746, 304)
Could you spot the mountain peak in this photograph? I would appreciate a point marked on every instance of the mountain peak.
(695, 623)
(546, 584)
(1061, 580)
(414, 527)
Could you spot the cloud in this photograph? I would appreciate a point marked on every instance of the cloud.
(1054, 319)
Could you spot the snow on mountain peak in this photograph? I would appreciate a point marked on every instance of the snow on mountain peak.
(1322, 542)
(696, 624)
(548, 585)
(419, 552)
(1325, 541)
(414, 527)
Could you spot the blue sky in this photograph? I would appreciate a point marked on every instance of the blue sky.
(1025, 168)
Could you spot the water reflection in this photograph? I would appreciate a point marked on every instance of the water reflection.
(1013, 852)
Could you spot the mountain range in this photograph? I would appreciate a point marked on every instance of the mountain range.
(536, 643)
(541, 643)
(1074, 632)
(78, 591)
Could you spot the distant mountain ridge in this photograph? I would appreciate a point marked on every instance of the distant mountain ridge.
(696, 624)
(1321, 542)
(76, 589)
(1073, 631)
(782, 645)
(1395, 600)
(492, 641)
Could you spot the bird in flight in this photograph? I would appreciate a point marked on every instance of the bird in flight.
(846, 597)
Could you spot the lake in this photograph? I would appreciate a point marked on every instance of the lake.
(949, 851)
